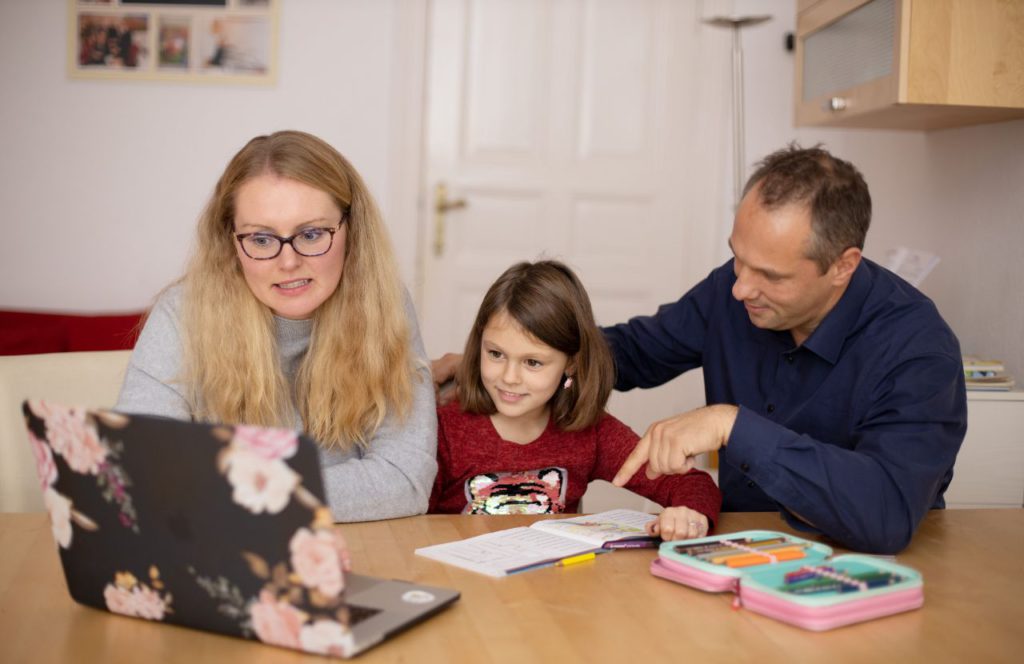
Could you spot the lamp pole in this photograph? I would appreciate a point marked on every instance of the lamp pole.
(736, 23)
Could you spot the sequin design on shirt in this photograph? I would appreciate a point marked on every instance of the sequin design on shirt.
(518, 492)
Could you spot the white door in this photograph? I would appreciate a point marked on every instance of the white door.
(578, 130)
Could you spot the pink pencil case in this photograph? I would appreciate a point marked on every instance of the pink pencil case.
(814, 591)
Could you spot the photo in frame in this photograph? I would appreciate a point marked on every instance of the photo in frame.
(222, 41)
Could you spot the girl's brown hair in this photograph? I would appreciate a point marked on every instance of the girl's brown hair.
(549, 302)
(358, 367)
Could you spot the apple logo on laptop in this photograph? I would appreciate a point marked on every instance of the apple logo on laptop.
(418, 597)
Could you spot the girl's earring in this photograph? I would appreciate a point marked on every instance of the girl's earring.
(568, 382)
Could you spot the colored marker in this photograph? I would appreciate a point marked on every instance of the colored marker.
(717, 546)
(764, 552)
(762, 558)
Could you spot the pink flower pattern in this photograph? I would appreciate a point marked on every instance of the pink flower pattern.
(259, 484)
(255, 467)
(73, 437)
(284, 615)
(262, 482)
(59, 508)
(327, 637)
(270, 444)
(316, 559)
(45, 465)
(72, 434)
(275, 621)
(137, 600)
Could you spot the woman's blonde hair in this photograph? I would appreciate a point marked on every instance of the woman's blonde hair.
(548, 301)
(359, 365)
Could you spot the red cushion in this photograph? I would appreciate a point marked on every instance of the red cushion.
(23, 332)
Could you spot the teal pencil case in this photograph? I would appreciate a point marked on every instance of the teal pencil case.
(792, 579)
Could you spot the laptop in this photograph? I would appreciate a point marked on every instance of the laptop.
(213, 527)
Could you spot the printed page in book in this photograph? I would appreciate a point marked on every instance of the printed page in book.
(596, 529)
(506, 551)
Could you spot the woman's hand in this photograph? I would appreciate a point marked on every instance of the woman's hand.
(676, 523)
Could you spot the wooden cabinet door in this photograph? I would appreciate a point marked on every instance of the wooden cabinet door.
(847, 59)
(909, 64)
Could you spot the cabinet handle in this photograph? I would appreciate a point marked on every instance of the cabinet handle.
(835, 104)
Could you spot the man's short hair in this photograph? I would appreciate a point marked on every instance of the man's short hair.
(833, 189)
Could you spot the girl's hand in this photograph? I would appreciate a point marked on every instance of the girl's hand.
(676, 523)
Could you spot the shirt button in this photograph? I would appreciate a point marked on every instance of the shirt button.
(789, 358)
(770, 408)
(745, 467)
(751, 484)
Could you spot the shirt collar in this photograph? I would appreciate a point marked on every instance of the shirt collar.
(827, 340)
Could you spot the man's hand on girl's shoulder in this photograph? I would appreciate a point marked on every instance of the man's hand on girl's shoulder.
(443, 370)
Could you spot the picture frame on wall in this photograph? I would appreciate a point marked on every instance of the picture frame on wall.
(221, 41)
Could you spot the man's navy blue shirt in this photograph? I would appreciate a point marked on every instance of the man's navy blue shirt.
(856, 430)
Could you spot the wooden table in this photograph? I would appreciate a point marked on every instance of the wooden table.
(607, 610)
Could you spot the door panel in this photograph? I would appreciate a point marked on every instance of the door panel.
(569, 127)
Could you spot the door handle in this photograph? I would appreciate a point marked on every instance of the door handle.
(442, 204)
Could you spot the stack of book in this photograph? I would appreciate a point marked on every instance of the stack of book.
(984, 374)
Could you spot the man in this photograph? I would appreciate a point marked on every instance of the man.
(835, 389)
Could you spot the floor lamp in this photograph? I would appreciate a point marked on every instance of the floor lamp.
(736, 23)
(738, 140)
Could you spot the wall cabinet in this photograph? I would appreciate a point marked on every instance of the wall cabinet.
(909, 64)
(989, 470)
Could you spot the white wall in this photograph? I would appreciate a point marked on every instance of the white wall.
(958, 193)
(119, 171)
(975, 201)
(102, 181)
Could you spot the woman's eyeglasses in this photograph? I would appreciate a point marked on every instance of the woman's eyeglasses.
(307, 242)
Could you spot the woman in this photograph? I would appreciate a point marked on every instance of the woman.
(291, 314)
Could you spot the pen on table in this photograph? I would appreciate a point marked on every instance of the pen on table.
(572, 560)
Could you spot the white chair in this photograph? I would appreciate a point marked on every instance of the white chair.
(90, 379)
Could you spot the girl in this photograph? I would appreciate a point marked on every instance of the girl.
(529, 431)
(291, 314)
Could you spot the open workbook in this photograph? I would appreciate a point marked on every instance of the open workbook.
(544, 542)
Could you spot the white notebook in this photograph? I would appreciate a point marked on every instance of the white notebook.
(543, 543)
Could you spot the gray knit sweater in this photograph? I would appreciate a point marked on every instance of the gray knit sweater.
(393, 477)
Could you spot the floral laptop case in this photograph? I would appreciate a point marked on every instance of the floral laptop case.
(218, 528)
(792, 579)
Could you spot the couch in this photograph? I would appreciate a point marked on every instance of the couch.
(24, 332)
(91, 378)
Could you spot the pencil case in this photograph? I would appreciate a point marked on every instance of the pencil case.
(792, 579)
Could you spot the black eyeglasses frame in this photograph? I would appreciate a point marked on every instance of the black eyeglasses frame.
(288, 240)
